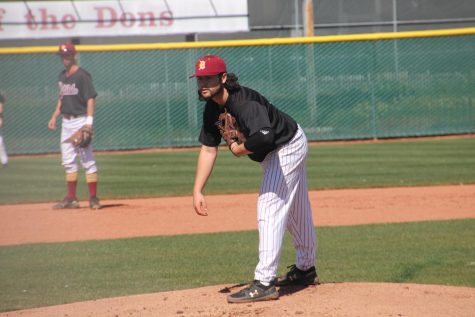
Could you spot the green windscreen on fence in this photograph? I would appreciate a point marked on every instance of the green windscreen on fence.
(335, 90)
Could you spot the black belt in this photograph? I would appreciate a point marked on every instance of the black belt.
(72, 116)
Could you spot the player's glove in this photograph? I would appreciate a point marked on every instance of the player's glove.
(82, 137)
(229, 129)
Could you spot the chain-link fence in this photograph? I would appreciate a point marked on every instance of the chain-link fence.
(350, 88)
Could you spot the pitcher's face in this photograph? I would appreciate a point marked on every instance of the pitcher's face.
(209, 86)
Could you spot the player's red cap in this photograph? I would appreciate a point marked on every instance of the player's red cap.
(67, 49)
(209, 65)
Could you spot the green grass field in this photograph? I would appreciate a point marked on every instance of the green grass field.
(437, 252)
(402, 163)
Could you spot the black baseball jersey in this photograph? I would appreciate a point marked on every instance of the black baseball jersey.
(75, 91)
(254, 114)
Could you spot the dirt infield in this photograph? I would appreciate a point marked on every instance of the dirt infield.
(38, 223)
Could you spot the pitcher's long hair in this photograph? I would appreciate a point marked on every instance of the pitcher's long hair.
(232, 83)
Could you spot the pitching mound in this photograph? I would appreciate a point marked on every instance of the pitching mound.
(339, 299)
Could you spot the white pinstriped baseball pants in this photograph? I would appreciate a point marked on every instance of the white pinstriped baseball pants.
(284, 204)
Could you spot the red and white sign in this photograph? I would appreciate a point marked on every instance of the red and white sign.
(55, 19)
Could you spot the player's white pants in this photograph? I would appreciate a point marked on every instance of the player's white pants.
(284, 203)
(70, 153)
(3, 152)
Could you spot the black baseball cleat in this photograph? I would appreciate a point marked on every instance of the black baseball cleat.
(295, 276)
(94, 203)
(255, 292)
(67, 203)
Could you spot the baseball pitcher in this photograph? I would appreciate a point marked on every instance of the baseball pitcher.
(251, 125)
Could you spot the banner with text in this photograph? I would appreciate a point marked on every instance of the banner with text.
(53, 19)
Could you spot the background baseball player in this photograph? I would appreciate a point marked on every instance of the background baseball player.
(76, 104)
(3, 151)
(275, 140)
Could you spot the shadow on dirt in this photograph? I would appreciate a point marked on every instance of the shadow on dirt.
(292, 289)
(112, 205)
(228, 289)
(289, 290)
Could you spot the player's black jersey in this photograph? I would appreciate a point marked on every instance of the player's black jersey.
(75, 91)
(253, 113)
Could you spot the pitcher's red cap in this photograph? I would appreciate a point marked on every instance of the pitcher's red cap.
(209, 65)
(67, 49)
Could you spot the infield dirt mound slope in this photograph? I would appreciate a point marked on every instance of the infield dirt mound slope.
(335, 300)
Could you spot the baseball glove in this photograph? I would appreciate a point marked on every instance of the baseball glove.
(82, 137)
(229, 129)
